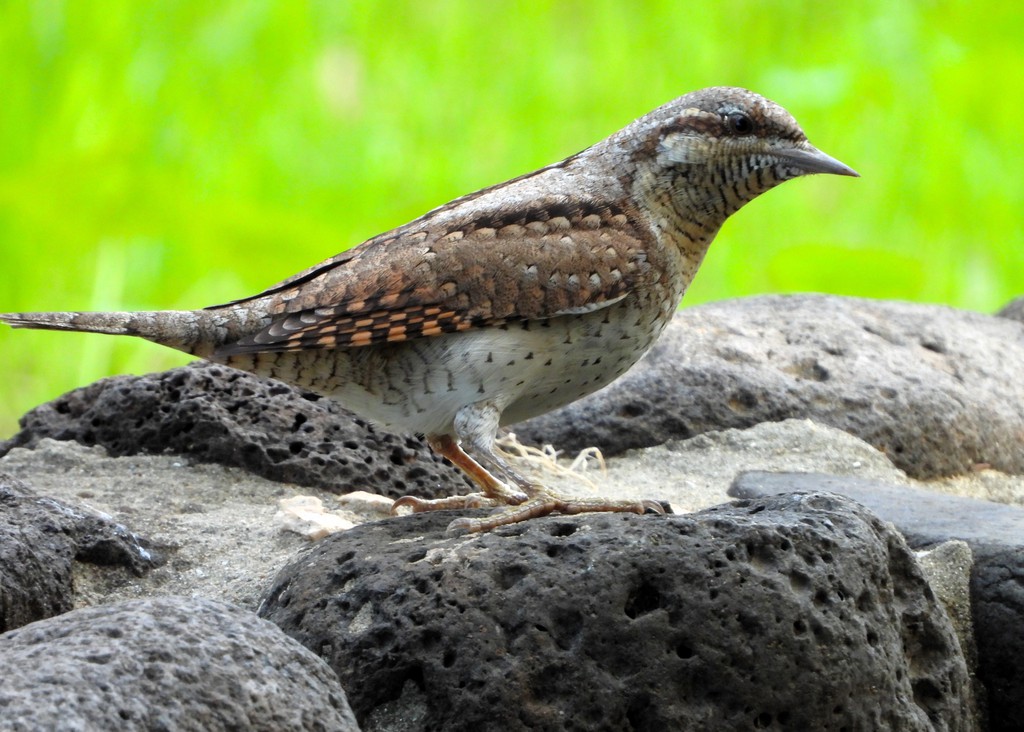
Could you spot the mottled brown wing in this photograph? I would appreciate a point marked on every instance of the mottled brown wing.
(420, 281)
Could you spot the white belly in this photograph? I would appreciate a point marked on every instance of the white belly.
(524, 369)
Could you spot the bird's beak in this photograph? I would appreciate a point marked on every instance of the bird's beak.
(810, 160)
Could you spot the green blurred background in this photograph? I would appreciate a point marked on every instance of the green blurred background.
(180, 154)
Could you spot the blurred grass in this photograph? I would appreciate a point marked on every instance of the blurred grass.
(178, 154)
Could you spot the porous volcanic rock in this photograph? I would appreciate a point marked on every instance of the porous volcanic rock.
(924, 517)
(169, 663)
(995, 533)
(221, 415)
(789, 612)
(997, 600)
(40, 538)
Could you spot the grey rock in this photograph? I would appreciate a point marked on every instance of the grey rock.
(995, 533)
(215, 525)
(997, 599)
(924, 517)
(40, 538)
(937, 390)
(1013, 310)
(164, 664)
(794, 612)
(216, 414)
(947, 567)
(696, 473)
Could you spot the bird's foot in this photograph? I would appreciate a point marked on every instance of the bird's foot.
(544, 501)
(419, 505)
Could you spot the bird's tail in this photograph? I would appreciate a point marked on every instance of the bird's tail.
(198, 332)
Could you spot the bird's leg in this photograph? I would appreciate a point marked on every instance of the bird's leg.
(495, 493)
(477, 427)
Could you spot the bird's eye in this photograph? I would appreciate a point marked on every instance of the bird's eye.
(739, 123)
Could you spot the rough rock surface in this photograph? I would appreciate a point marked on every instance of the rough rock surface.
(997, 600)
(788, 612)
(937, 390)
(995, 533)
(1013, 310)
(924, 517)
(40, 538)
(947, 567)
(216, 414)
(216, 525)
(165, 664)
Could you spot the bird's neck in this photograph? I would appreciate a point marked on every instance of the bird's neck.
(683, 216)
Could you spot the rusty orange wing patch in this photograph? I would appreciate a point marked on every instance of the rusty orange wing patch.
(322, 328)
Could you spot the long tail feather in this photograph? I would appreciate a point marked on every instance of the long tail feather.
(192, 331)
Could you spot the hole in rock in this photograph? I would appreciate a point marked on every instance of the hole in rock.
(644, 599)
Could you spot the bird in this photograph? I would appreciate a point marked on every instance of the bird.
(505, 303)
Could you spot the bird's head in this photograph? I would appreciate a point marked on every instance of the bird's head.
(716, 149)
